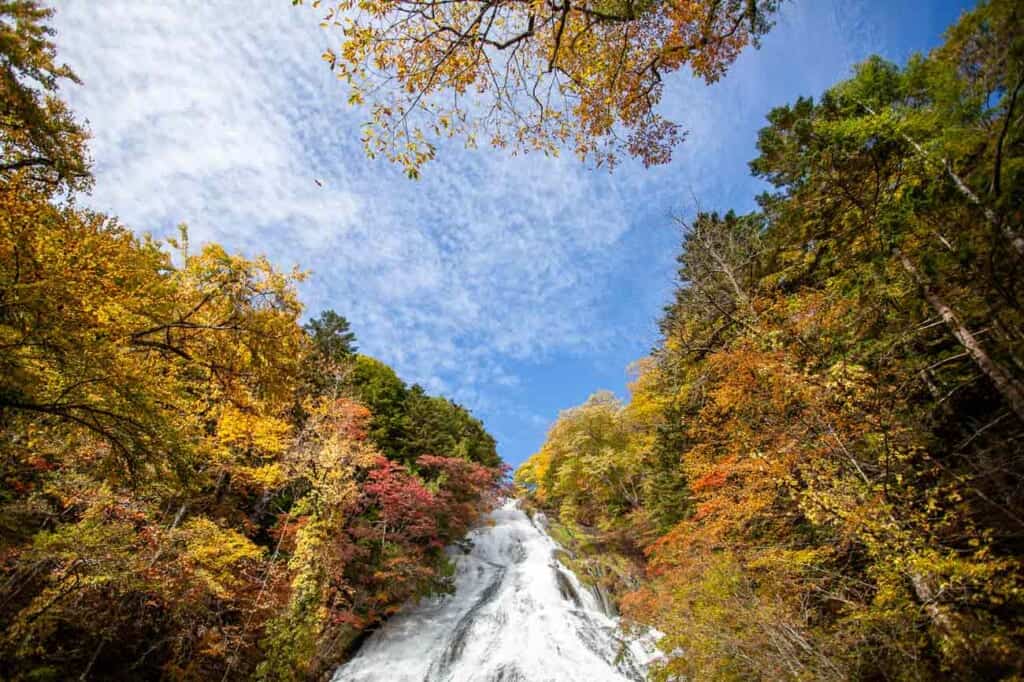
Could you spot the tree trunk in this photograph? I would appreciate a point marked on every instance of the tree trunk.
(1015, 238)
(1003, 381)
(1012, 236)
(945, 623)
(174, 524)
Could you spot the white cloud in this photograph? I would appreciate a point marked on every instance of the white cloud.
(223, 116)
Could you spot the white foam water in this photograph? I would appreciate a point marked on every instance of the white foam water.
(517, 615)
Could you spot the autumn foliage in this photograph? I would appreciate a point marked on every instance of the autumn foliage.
(826, 443)
(530, 76)
(194, 486)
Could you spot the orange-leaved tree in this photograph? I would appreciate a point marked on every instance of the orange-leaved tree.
(537, 75)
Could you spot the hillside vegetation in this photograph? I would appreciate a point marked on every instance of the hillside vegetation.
(194, 485)
(820, 469)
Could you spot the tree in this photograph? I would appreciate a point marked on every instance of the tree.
(39, 138)
(587, 467)
(178, 454)
(438, 426)
(717, 270)
(533, 76)
(154, 468)
(104, 336)
(836, 399)
(376, 385)
(142, 401)
(331, 336)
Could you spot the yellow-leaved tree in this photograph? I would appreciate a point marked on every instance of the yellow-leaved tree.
(538, 75)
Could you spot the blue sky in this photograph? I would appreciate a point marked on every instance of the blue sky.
(517, 286)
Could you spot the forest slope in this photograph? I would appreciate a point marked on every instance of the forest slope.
(822, 459)
(194, 486)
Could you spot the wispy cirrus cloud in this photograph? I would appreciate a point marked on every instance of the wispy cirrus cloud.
(514, 284)
(224, 119)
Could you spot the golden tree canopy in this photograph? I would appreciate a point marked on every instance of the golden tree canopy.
(531, 74)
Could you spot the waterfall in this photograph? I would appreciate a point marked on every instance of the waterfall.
(517, 615)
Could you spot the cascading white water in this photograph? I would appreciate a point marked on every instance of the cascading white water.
(517, 615)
